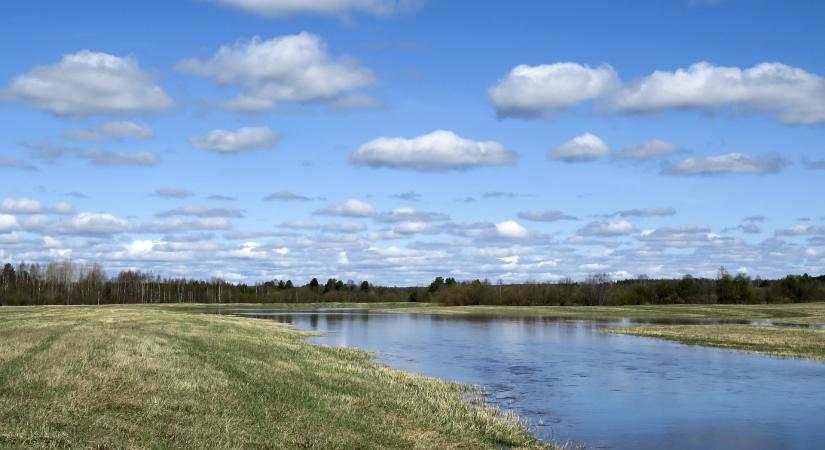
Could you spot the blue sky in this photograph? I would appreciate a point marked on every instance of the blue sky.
(153, 135)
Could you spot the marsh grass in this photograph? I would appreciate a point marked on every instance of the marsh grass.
(777, 341)
(137, 377)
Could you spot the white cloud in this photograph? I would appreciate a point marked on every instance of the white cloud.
(176, 224)
(287, 196)
(545, 216)
(294, 68)
(610, 228)
(7, 223)
(437, 151)
(172, 192)
(412, 227)
(100, 157)
(350, 208)
(410, 214)
(645, 212)
(116, 130)
(511, 229)
(232, 142)
(300, 225)
(729, 163)
(587, 147)
(275, 8)
(529, 91)
(343, 259)
(351, 226)
(802, 230)
(21, 206)
(98, 223)
(88, 83)
(648, 150)
(200, 211)
(788, 93)
(13, 205)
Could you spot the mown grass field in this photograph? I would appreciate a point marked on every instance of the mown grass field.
(145, 377)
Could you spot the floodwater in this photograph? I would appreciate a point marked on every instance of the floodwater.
(600, 390)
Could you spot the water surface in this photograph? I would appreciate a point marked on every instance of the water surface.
(602, 390)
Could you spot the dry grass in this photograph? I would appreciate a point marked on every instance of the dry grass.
(787, 342)
(133, 377)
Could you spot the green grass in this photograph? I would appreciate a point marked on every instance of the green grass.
(786, 342)
(145, 377)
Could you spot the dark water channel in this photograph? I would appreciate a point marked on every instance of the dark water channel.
(601, 390)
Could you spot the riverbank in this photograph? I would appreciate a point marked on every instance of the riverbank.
(145, 377)
(737, 335)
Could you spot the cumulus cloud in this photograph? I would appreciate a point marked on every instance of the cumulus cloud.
(729, 163)
(438, 151)
(679, 235)
(293, 68)
(172, 192)
(115, 130)
(11, 205)
(100, 157)
(275, 8)
(605, 229)
(545, 216)
(7, 223)
(9, 162)
(219, 197)
(300, 225)
(648, 150)
(645, 212)
(407, 214)
(530, 91)
(287, 196)
(587, 147)
(232, 142)
(175, 224)
(88, 83)
(201, 211)
(351, 226)
(511, 229)
(350, 208)
(801, 230)
(787, 93)
(98, 223)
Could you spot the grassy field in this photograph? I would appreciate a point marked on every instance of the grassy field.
(787, 342)
(145, 377)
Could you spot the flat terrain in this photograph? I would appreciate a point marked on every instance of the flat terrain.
(787, 342)
(798, 313)
(778, 341)
(145, 377)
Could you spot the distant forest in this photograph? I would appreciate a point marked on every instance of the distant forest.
(68, 283)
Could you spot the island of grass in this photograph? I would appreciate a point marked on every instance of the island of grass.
(139, 377)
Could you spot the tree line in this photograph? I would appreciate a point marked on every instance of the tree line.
(71, 283)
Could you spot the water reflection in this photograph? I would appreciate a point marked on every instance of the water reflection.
(608, 391)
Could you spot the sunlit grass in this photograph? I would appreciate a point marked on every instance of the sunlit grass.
(140, 377)
(788, 342)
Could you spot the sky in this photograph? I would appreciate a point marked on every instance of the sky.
(398, 140)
